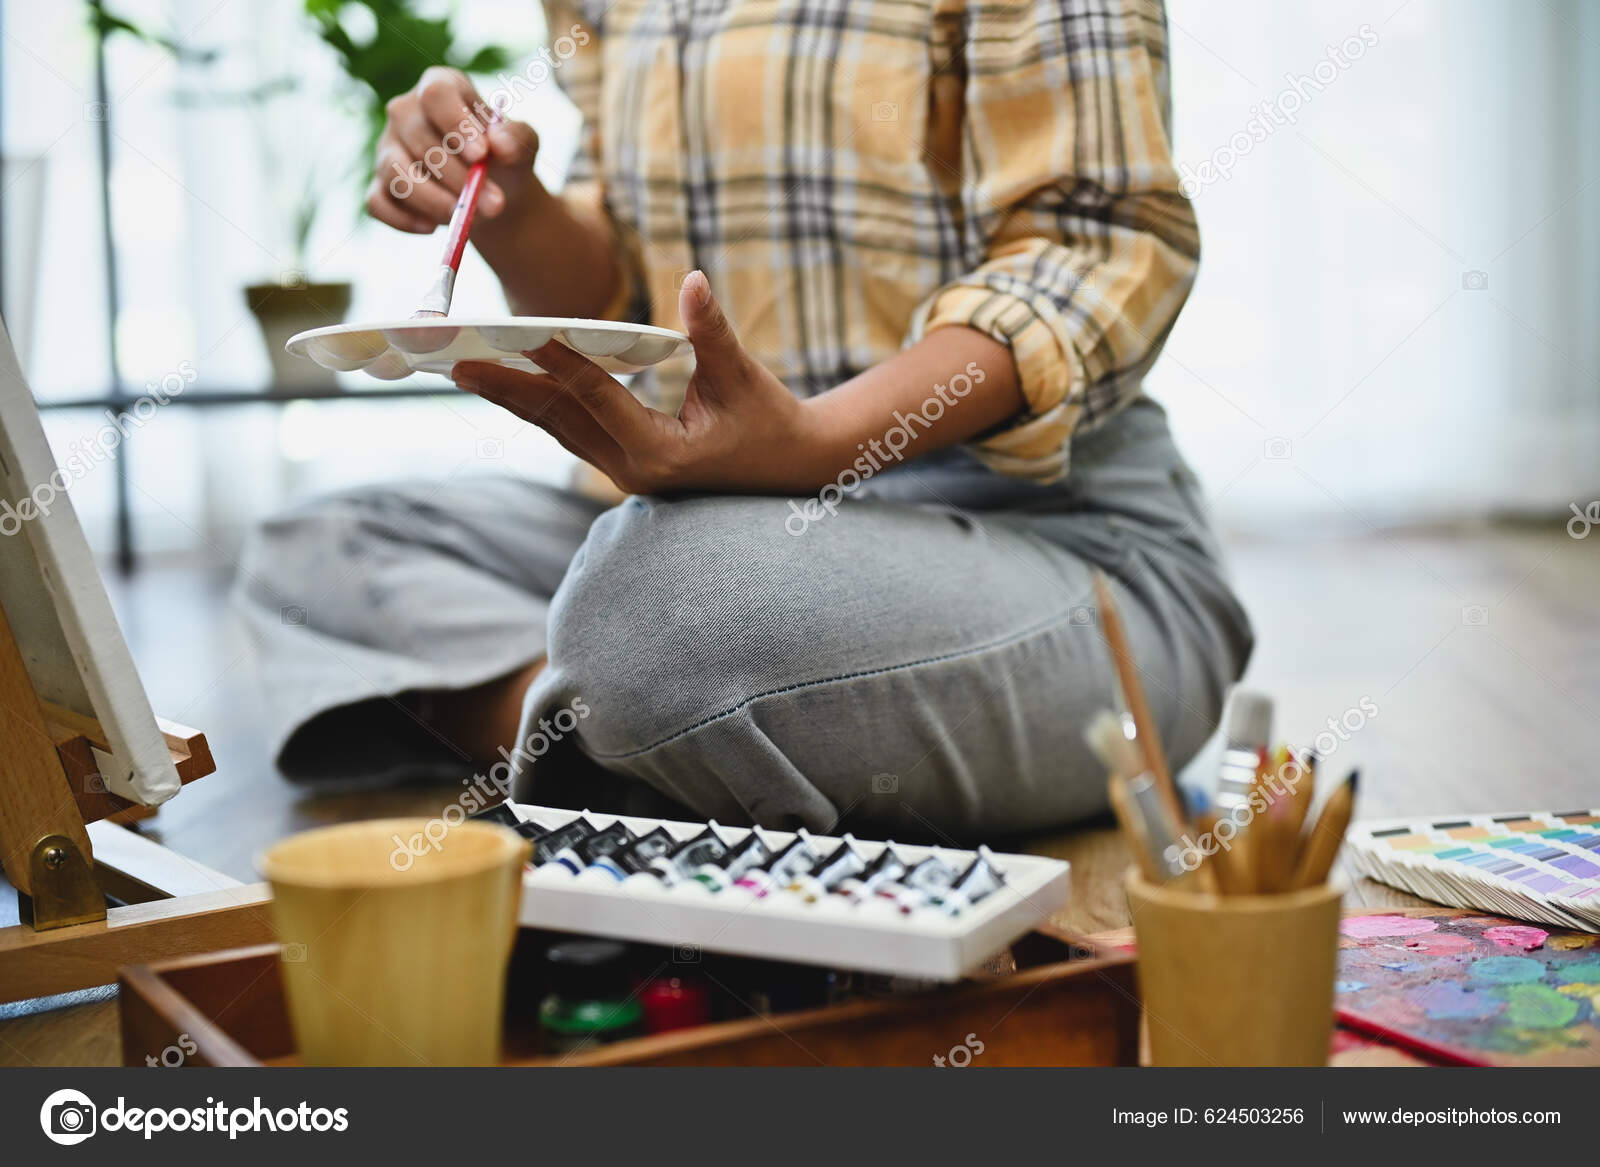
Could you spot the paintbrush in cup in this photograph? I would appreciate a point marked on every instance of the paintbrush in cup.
(1108, 738)
(1149, 740)
(1146, 850)
(1153, 832)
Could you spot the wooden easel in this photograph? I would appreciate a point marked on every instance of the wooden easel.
(65, 859)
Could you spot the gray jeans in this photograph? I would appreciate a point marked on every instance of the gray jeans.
(920, 661)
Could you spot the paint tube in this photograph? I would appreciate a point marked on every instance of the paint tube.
(930, 878)
(789, 865)
(981, 878)
(500, 813)
(706, 847)
(638, 855)
(547, 844)
(886, 868)
(532, 830)
(746, 855)
(585, 851)
(844, 863)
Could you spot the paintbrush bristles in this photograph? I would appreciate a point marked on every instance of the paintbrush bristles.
(1249, 719)
(1110, 743)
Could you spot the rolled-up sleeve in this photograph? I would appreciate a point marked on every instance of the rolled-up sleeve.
(1086, 249)
(574, 31)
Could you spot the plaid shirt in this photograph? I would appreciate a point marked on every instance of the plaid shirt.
(853, 173)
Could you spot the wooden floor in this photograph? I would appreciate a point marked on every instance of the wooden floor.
(1479, 650)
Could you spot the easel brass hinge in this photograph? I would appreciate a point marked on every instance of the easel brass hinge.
(64, 887)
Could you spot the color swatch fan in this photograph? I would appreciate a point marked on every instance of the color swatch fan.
(1534, 865)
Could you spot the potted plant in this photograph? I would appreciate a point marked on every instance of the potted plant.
(293, 302)
(380, 61)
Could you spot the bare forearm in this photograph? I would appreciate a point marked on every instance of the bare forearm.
(952, 385)
(740, 429)
(553, 257)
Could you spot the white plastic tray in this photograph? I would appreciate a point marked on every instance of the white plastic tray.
(389, 350)
(871, 937)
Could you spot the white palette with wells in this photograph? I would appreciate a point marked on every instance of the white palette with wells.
(393, 349)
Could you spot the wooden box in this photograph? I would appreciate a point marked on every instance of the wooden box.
(1052, 1002)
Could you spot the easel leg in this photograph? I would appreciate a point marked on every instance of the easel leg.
(68, 940)
(44, 847)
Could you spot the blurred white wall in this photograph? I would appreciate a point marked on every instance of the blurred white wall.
(1395, 315)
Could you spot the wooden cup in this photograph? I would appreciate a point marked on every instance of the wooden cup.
(1236, 980)
(395, 954)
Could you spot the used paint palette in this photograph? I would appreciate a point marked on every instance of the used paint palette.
(1470, 989)
(394, 349)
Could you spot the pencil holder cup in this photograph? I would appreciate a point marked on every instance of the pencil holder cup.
(1236, 980)
(395, 939)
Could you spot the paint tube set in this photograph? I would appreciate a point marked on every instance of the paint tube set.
(895, 909)
(754, 865)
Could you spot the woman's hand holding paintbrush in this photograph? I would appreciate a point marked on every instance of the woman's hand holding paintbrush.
(437, 300)
(436, 135)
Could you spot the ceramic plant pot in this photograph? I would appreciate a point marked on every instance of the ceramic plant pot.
(283, 310)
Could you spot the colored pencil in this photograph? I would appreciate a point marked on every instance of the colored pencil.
(1327, 835)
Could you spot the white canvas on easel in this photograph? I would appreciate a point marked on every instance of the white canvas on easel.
(58, 609)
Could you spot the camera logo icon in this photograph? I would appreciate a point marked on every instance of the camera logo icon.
(68, 1117)
(885, 783)
(293, 952)
(1474, 615)
(686, 954)
(1082, 615)
(1474, 281)
(490, 449)
(885, 111)
(1277, 449)
(293, 615)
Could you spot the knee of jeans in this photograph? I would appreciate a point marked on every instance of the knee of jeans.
(662, 624)
(314, 548)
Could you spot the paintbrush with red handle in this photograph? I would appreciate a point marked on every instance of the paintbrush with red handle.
(437, 301)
